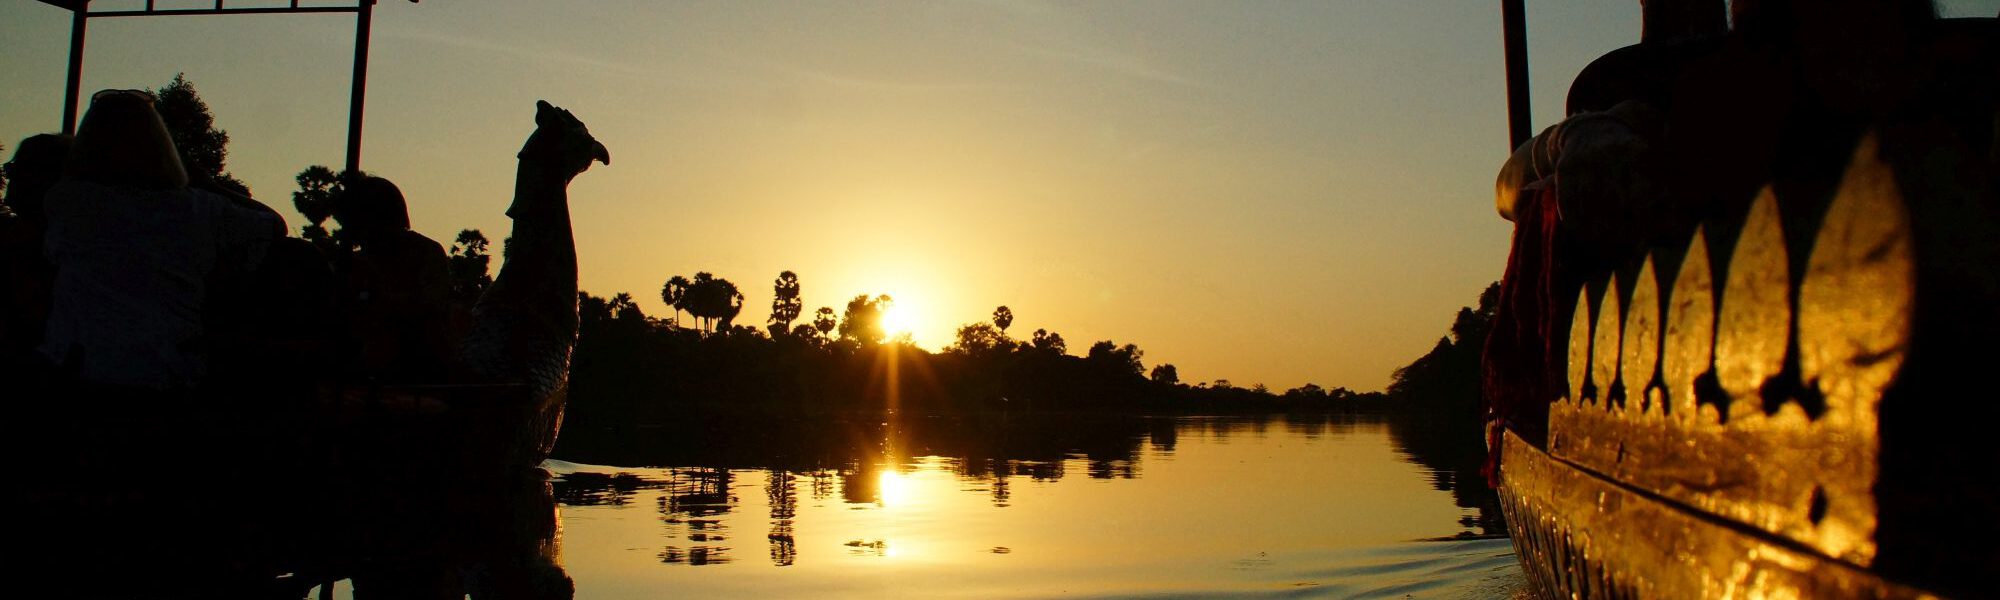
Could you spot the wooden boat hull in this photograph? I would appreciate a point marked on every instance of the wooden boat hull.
(1582, 535)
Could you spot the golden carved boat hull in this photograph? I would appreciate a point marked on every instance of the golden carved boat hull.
(1580, 534)
(1758, 413)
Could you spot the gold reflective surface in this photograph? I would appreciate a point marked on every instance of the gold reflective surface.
(1639, 356)
(1604, 344)
(1688, 349)
(1755, 321)
(1806, 469)
(1200, 506)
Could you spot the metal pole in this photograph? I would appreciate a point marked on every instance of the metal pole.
(1520, 125)
(78, 16)
(364, 15)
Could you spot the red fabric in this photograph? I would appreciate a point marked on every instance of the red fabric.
(1519, 378)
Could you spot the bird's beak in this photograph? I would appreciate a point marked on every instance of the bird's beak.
(599, 152)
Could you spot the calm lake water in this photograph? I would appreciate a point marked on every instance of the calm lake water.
(1323, 506)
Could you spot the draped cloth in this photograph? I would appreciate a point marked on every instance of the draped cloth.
(1521, 371)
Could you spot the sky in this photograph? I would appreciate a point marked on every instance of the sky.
(1265, 192)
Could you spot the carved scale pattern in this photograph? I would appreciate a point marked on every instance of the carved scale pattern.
(1680, 389)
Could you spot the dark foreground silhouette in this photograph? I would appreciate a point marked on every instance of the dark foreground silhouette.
(404, 474)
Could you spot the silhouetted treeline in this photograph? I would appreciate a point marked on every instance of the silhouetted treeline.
(1437, 417)
(629, 368)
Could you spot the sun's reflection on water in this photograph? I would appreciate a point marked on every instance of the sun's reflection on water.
(1009, 511)
(894, 490)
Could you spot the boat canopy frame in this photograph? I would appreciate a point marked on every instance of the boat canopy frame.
(363, 11)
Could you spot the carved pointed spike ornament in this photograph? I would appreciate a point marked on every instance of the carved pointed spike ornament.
(1689, 344)
(1579, 345)
(1640, 349)
(1604, 343)
(1858, 293)
(1755, 321)
(1855, 308)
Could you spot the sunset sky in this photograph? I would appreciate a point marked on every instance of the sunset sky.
(1268, 192)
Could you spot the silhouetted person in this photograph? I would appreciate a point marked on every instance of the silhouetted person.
(277, 326)
(134, 249)
(398, 288)
(37, 166)
(26, 273)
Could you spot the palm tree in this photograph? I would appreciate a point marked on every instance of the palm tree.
(701, 303)
(732, 303)
(823, 322)
(623, 307)
(712, 299)
(1002, 317)
(674, 293)
(785, 302)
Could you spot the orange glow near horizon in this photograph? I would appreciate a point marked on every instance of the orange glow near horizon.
(1308, 203)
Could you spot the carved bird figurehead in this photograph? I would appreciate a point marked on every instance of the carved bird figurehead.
(562, 142)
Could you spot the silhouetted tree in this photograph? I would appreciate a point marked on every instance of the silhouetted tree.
(785, 302)
(1051, 343)
(469, 266)
(698, 299)
(823, 322)
(674, 293)
(1113, 358)
(713, 299)
(319, 190)
(732, 306)
(862, 323)
(204, 149)
(591, 310)
(1166, 373)
(624, 309)
(978, 339)
(1003, 317)
(1435, 413)
(1446, 379)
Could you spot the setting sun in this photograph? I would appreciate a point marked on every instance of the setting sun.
(898, 320)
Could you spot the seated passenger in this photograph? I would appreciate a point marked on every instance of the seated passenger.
(24, 305)
(398, 288)
(133, 250)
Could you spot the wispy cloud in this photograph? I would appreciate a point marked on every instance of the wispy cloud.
(1060, 36)
(653, 74)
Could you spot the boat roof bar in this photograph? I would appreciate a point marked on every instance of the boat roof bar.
(363, 10)
(1520, 124)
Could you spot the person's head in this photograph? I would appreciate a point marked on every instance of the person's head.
(122, 141)
(370, 206)
(37, 165)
